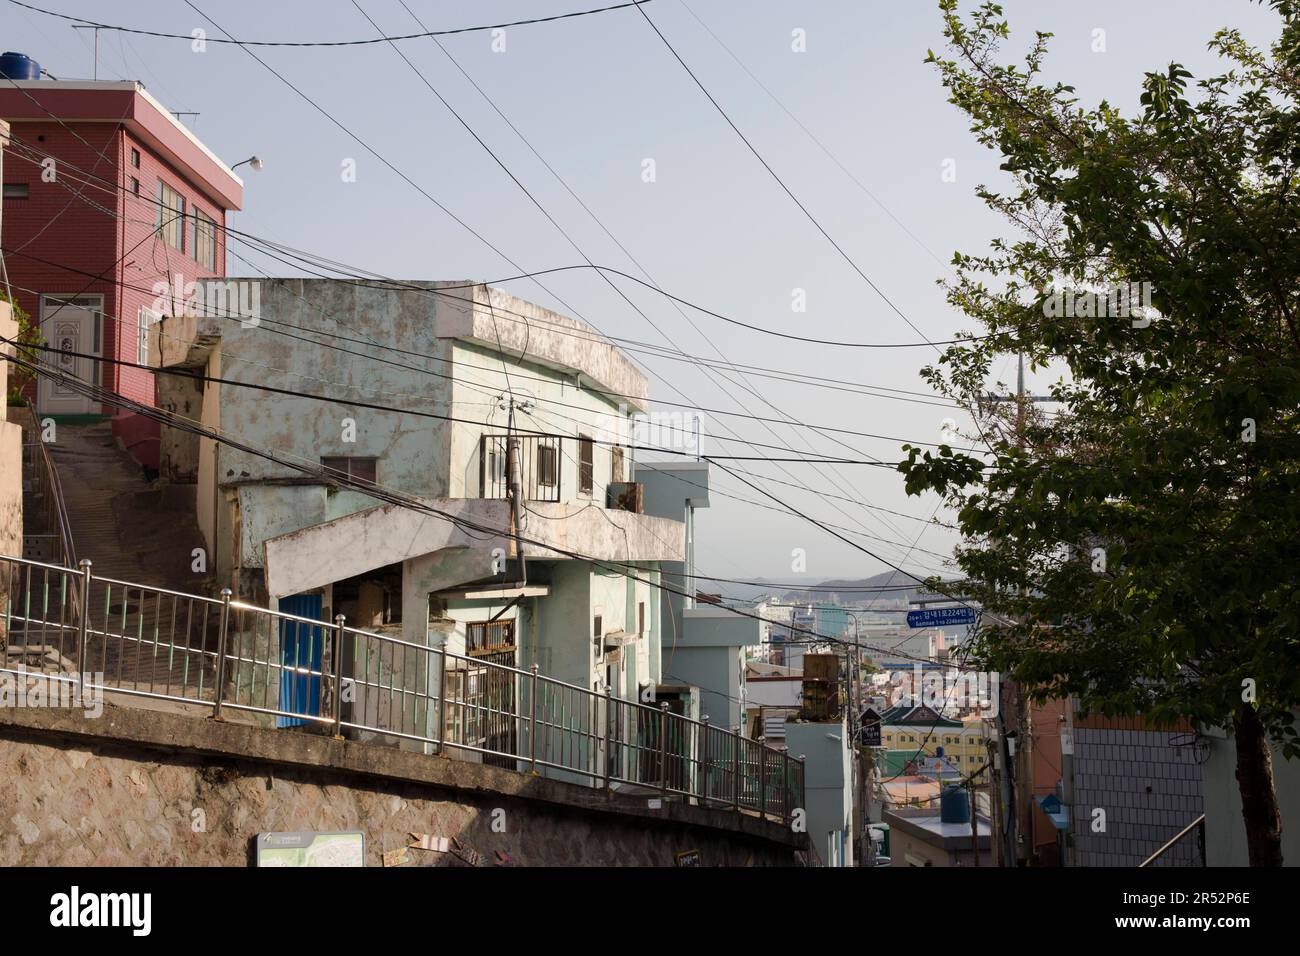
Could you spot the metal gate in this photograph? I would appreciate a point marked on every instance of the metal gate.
(493, 642)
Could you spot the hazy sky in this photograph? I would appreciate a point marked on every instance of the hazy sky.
(598, 96)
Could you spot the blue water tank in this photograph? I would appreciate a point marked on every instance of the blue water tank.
(953, 806)
(19, 66)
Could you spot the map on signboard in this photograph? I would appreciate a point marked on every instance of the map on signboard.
(311, 849)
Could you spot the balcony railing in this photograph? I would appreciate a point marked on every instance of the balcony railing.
(224, 654)
(539, 466)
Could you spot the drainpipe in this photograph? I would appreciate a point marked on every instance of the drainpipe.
(690, 557)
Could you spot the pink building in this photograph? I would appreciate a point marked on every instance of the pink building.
(110, 205)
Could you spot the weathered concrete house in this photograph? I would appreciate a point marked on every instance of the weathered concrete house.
(455, 358)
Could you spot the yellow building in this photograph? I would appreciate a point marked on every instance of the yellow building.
(912, 728)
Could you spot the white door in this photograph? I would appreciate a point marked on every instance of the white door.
(69, 326)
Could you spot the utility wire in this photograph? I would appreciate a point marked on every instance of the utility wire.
(551, 219)
(374, 490)
(188, 37)
(312, 102)
(779, 181)
(402, 175)
(355, 277)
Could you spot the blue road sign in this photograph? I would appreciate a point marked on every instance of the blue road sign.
(941, 616)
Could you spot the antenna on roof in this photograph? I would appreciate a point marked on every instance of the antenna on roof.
(87, 26)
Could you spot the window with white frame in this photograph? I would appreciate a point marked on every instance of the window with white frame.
(148, 318)
(205, 241)
(170, 220)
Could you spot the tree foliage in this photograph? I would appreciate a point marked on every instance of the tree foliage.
(1137, 544)
(28, 341)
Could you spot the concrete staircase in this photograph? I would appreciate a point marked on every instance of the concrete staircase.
(130, 529)
(134, 531)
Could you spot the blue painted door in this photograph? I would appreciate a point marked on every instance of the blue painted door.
(300, 653)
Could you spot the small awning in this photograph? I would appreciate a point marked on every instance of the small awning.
(1055, 810)
(618, 639)
(488, 593)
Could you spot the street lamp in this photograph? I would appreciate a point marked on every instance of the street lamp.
(253, 161)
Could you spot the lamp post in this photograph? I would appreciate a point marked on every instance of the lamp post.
(253, 161)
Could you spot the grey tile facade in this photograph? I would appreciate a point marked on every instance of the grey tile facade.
(1149, 784)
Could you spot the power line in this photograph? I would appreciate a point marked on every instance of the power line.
(402, 175)
(809, 133)
(356, 278)
(606, 230)
(372, 406)
(271, 322)
(335, 43)
(772, 172)
(838, 343)
(651, 448)
(374, 152)
(818, 428)
(373, 490)
(551, 219)
(779, 181)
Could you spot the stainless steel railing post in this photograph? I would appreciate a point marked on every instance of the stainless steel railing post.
(337, 654)
(532, 721)
(442, 698)
(219, 687)
(609, 733)
(737, 742)
(703, 749)
(83, 618)
(663, 748)
(785, 785)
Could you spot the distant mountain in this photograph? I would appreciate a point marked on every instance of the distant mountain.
(888, 584)
(886, 587)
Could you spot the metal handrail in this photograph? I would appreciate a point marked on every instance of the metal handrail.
(51, 490)
(157, 643)
(1198, 825)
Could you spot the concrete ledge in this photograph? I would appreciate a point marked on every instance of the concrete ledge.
(179, 733)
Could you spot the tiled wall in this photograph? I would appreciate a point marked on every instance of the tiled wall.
(1149, 784)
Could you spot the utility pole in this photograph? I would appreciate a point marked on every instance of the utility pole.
(1020, 820)
(995, 804)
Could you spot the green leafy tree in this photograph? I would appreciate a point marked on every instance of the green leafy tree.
(1136, 545)
(29, 339)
